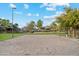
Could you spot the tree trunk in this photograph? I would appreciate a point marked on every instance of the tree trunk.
(69, 33)
(77, 33)
(73, 33)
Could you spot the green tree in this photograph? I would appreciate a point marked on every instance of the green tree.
(69, 20)
(15, 27)
(30, 26)
(53, 26)
(5, 23)
(39, 24)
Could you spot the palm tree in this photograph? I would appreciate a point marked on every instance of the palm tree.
(69, 20)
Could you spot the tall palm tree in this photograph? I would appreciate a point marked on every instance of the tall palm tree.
(69, 20)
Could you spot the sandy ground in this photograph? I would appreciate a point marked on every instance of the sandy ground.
(39, 45)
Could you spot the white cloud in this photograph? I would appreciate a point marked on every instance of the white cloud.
(46, 17)
(53, 16)
(26, 6)
(12, 5)
(62, 4)
(50, 17)
(59, 12)
(54, 4)
(37, 14)
(18, 13)
(2, 17)
(29, 14)
(50, 8)
(43, 5)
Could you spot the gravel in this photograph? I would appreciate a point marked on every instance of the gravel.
(39, 45)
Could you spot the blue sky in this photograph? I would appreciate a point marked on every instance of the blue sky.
(26, 12)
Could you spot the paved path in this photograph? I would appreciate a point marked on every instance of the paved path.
(49, 45)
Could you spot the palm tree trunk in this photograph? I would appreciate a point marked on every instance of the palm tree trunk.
(73, 33)
(77, 33)
(69, 33)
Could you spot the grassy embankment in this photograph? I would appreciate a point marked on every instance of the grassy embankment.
(6, 36)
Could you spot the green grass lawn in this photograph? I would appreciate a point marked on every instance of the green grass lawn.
(47, 33)
(6, 36)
